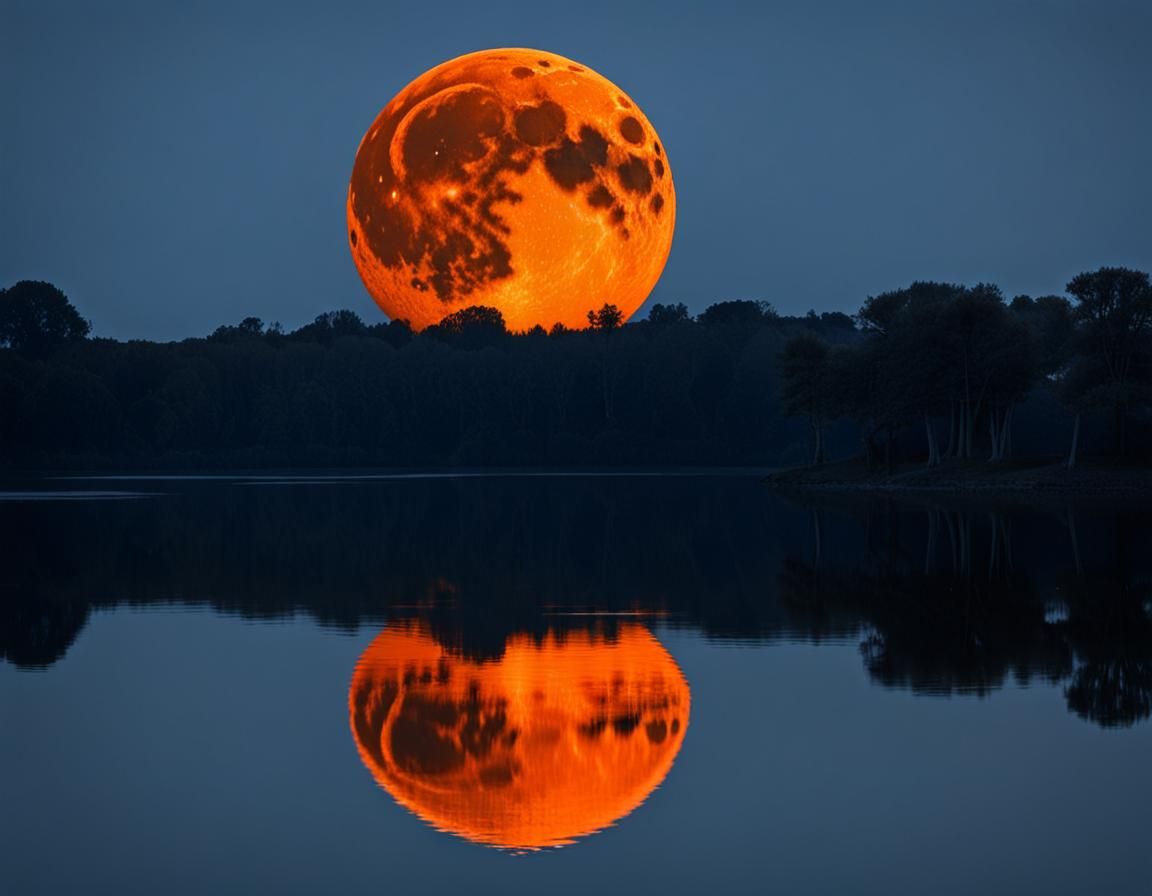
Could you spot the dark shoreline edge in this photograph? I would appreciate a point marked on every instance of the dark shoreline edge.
(1018, 479)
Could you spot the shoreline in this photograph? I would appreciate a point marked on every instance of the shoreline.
(968, 477)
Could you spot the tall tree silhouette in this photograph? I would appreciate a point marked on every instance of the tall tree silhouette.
(606, 321)
(36, 318)
(1114, 309)
(807, 387)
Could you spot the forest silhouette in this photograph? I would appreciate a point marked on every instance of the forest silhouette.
(928, 373)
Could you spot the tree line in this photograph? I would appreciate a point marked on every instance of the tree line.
(737, 384)
(957, 362)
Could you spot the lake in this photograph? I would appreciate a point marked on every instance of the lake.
(569, 683)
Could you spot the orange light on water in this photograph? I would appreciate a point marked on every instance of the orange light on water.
(511, 178)
(555, 740)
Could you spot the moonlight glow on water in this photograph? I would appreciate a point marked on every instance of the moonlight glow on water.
(556, 739)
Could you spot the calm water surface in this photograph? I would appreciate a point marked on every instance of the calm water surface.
(568, 684)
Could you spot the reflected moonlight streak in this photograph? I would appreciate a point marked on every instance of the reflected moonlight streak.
(516, 179)
(557, 739)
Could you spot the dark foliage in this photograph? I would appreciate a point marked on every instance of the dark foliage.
(937, 368)
(337, 392)
(36, 318)
(957, 362)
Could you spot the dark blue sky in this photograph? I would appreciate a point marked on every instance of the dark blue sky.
(175, 168)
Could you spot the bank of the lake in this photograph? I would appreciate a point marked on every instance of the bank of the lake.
(970, 477)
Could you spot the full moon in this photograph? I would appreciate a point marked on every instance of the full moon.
(557, 739)
(515, 179)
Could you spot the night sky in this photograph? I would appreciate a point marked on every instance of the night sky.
(173, 169)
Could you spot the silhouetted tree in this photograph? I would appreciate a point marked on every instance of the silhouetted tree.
(36, 318)
(249, 328)
(863, 391)
(943, 350)
(882, 313)
(329, 326)
(607, 319)
(906, 370)
(663, 315)
(1114, 309)
(1010, 356)
(807, 385)
(396, 333)
(975, 333)
(605, 322)
(1050, 329)
(473, 327)
(740, 312)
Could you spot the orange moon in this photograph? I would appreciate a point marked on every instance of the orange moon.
(557, 739)
(515, 179)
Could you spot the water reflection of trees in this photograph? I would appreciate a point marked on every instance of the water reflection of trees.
(943, 597)
(1110, 630)
(966, 616)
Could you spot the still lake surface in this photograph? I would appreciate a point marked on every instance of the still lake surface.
(569, 684)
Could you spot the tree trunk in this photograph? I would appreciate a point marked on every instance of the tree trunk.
(604, 382)
(1006, 540)
(993, 542)
(1121, 420)
(1075, 444)
(951, 452)
(952, 540)
(1006, 431)
(933, 448)
(969, 435)
(966, 444)
(1000, 431)
(962, 543)
(1070, 515)
(818, 534)
(818, 446)
(930, 551)
(966, 543)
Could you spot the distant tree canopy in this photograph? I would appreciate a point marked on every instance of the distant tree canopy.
(472, 327)
(742, 312)
(1112, 364)
(330, 326)
(958, 362)
(664, 315)
(931, 371)
(36, 318)
(607, 319)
